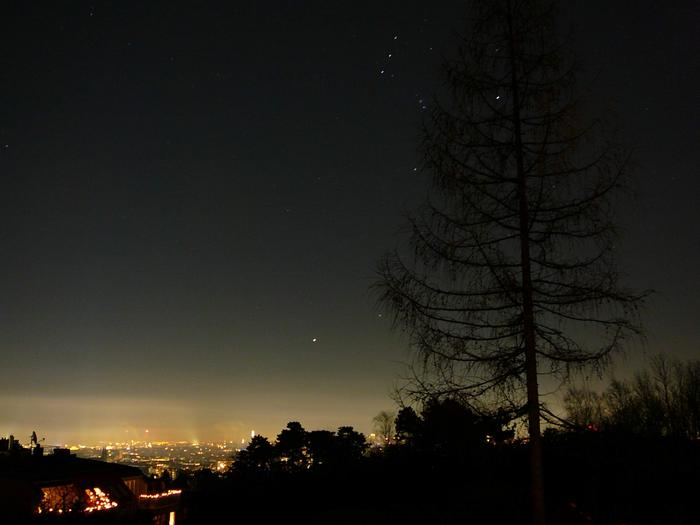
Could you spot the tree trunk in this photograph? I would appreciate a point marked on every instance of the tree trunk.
(533, 398)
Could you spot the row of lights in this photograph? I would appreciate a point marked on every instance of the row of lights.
(167, 493)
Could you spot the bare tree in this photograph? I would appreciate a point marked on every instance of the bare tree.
(511, 260)
(384, 426)
(661, 401)
(584, 408)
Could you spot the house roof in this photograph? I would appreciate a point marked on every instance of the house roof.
(52, 469)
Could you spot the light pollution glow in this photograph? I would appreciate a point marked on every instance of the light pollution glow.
(72, 420)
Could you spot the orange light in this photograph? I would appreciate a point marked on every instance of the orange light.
(170, 492)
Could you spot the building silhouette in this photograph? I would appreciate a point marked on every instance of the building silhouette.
(34, 486)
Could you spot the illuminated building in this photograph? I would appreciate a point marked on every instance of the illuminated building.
(62, 485)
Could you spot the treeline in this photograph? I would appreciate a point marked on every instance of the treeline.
(445, 427)
(661, 401)
(297, 450)
(623, 456)
(418, 476)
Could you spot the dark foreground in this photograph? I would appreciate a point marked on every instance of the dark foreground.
(591, 478)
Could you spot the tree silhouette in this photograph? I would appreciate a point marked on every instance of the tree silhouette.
(661, 401)
(291, 445)
(258, 456)
(384, 426)
(166, 478)
(408, 426)
(321, 447)
(181, 480)
(512, 256)
(350, 444)
(451, 428)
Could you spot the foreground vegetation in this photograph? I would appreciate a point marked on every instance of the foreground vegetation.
(448, 465)
(594, 477)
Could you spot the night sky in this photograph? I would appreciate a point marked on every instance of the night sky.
(194, 199)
